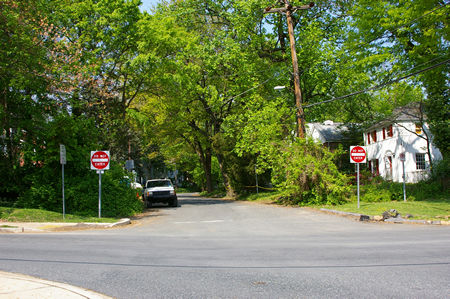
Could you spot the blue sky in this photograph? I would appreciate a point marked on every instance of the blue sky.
(147, 4)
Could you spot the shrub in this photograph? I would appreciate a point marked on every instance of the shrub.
(42, 186)
(306, 173)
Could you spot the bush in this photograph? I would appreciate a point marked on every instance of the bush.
(42, 187)
(441, 173)
(306, 173)
(81, 195)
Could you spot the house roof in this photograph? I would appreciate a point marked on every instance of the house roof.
(412, 112)
(329, 131)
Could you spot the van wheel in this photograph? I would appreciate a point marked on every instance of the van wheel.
(174, 203)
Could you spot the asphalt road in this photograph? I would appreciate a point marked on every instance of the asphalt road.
(223, 249)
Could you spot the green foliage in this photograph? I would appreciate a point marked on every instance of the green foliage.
(191, 84)
(307, 174)
(441, 173)
(42, 187)
(81, 194)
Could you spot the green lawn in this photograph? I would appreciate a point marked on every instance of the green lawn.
(426, 209)
(36, 215)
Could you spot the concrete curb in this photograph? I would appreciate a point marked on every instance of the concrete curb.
(14, 285)
(362, 217)
(30, 227)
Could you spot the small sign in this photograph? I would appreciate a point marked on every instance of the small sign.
(129, 165)
(62, 154)
(99, 160)
(357, 154)
(402, 157)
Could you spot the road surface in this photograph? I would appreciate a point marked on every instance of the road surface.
(208, 248)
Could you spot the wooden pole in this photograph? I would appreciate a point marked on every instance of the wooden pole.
(289, 9)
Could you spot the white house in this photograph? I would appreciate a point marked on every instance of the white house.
(404, 134)
(328, 133)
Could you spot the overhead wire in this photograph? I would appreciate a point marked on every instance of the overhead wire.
(379, 85)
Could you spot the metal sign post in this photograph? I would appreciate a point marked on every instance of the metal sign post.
(357, 155)
(99, 193)
(403, 158)
(100, 162)
(357, 180)
(63, 161)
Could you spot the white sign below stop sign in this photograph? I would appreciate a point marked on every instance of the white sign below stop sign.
(99, 160)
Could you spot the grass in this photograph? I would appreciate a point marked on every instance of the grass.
(426, 210)
(36, 215)
(421, 204)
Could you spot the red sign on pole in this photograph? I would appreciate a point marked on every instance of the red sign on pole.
(357, 154)
(99, 160)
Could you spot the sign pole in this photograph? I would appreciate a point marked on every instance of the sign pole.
(63, 160)
(357, 180)
(100, 194)
(404, 180)
(64, 200)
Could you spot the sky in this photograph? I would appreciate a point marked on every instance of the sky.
(147, 4)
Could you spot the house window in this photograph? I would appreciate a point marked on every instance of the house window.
(368, 138)
(418, 129)
(384, 133)
(390, 132)
(374, 167)
(374, 136)
(420, 161)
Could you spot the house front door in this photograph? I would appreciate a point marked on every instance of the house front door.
(388, 167)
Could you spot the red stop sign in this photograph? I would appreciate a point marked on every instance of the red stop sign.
(357, 154)
(100, 160)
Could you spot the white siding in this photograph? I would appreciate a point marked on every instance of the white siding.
(404, 140)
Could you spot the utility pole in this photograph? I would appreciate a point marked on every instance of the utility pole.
(288, 9)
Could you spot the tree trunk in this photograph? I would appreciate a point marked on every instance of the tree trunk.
(205, 160)
(207, 169)
(226, 178)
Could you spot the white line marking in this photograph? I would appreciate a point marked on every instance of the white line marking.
(212, 221)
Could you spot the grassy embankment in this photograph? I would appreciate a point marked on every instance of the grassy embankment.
(36, 215)
(424, 201)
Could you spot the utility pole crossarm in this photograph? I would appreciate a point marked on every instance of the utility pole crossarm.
(292, 8)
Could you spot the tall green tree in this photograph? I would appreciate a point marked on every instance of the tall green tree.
(109, 72)
(414, 37)
(210, 75)
(25, 35)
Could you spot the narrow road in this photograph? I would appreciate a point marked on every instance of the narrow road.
(209, 248)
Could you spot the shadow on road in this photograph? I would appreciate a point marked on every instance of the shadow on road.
(194, 199)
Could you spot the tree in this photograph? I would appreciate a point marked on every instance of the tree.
(24, 104)
(109, 72)
(413, 36)
(214, 65)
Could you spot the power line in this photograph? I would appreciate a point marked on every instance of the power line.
(379, 85)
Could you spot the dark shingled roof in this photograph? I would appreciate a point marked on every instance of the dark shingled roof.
(411, 112)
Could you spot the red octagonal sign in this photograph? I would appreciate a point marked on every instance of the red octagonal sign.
(99, 160)
(357, 154)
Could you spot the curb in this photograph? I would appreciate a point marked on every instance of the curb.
(121, 222)
(14, 285)
(363, 217)
(46, 227)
